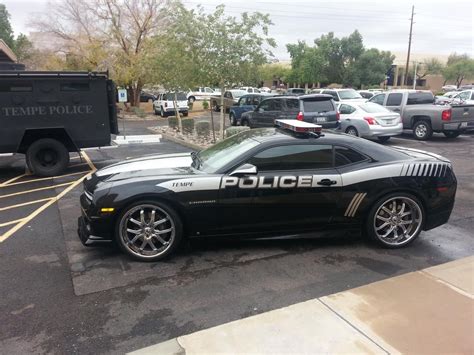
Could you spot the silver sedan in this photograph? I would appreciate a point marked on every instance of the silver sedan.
(369, 120)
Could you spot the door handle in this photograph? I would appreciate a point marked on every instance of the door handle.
(327, 182)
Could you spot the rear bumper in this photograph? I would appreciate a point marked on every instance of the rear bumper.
(384, 131)
(459, 126)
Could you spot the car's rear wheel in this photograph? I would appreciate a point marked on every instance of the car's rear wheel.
(162, 112)
(422, 130)
(451, 134)
(383, 139)
(149, 231)
(156, 111)
(395, 220)
(352, 131)
(233, 121)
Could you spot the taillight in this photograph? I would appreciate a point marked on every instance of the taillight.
(446, 115)
(166, 104)
(370, 120)
(300, 116)
(338, 116)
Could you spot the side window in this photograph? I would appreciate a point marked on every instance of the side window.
(394, 99)
(378, 99)
(332, 93)
(265, 105)
(276, 105)
(292, 105)
(249, 90)
(346, 109)
(345, 156)
(293, 157)
(208, 90)
(254, 100)
(164, 97)
(228, 94)
(464, 95)
(243, 101)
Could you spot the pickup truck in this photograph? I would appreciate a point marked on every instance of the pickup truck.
(423, 117)
(231, 97)
(46, 115)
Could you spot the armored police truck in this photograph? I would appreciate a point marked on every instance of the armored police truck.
(46, 115)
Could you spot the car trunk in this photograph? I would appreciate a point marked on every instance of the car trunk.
(318, 110)
(386, 119)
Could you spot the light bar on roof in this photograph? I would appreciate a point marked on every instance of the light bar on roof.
(298, 126)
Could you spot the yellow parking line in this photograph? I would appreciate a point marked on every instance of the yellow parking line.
(11, 222)
(27, 219)
(13, 179)
(34, 190)
(25, 204)
(48, 178)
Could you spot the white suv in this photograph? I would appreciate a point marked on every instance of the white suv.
(250, 90)
(165, 104)
(344, 95)
(200, 93)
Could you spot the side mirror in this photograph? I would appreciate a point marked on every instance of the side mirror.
(246, 169)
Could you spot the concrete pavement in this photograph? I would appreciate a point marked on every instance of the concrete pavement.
(429, 311)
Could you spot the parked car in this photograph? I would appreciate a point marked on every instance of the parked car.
(200, 93)
(316, 91)
(463, 97)
(369, 120)
(295, 91)
(366, 94)
(267, 182)
(246, 103)
(418, 112)
(340, 95)
(250, 89)
(147, 97)
(265, 90)
(230, 99)
(466, 87)
(449, 88)
(446, 98)
(312, 108)
(165, 104)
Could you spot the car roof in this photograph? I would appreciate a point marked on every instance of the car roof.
(340, 89)
(306, 96)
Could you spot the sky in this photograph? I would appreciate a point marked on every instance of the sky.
(440, 28)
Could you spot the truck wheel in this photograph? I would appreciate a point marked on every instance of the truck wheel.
(191, 99)
(47, 157)
(162, 112)
(422, 130)
(451, 134)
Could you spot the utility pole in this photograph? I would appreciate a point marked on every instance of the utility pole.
(409, 45)
(414, 77)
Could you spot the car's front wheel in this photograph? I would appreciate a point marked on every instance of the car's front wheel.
(395, 220)
(149, 231)
(233, 121)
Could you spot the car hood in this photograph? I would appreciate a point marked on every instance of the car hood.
(151, 165)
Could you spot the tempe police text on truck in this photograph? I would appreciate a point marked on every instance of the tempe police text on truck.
(46, 115)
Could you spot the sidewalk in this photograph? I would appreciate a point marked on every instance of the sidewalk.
(429, 311)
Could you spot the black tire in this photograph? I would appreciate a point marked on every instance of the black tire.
(233, 121)
(155, 111)
(47, 157)
(245, 122)
(185, 113)
(451, 134)
(191, 99)
(351, 130)
(162, 112)
(422, 130)
(412, 202)
(124, 238)
(215, 106)
(383, 139)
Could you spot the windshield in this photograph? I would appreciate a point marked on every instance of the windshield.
(349, 94)
(219, 155)
(373, 108)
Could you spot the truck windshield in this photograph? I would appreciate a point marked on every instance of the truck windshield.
(219, 155)
(418, 98)
(349, 94)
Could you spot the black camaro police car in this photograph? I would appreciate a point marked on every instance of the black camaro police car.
(283, 181)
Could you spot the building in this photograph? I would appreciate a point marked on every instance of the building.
(8, 59)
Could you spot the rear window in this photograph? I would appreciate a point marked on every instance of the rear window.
(373, 108)
(417, 98)
(346, 156)
(181, 96)
(318, 105)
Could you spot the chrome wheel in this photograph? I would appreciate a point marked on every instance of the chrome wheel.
(421, 130)
(352, 131)
(147, 231)
(397, 221)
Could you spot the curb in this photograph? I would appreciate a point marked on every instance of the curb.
(169, 347)
(177, 140)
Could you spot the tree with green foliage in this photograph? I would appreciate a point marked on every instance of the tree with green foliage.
(307, 64)
(274, 71)
(21, 46)
(226, 49)
(6, 32)
(458, 67)
(429, 66)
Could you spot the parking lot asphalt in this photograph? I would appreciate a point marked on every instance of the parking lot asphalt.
(61, 297)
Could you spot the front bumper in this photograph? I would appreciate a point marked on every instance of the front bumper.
(93, 229)
(181, 109)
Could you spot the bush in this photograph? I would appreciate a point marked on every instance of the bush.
(205, 105)
(235, 130)
(203, 128)
(173, 122)
(188, 125)
(139, 112)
